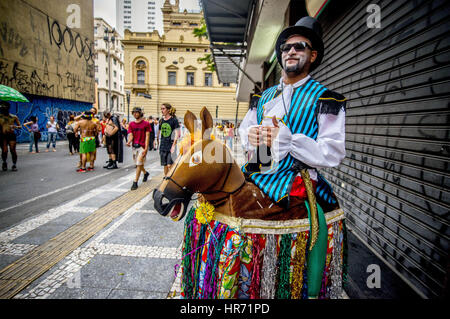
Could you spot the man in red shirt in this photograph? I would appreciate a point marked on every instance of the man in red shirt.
(139, 138)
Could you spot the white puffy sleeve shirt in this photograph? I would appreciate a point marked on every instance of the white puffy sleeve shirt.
(327, 150)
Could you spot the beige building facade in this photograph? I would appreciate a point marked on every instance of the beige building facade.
(168, 68)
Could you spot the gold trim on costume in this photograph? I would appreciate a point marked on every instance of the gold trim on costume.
(312, 207)
(259, 226)
(331, 98)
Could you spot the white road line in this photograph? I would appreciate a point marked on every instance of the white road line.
(54, 192)
(28, 225)
(72, 206)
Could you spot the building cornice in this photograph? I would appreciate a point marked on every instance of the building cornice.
(112, 54)
(152, 87)
(165, 43)
(112, 91)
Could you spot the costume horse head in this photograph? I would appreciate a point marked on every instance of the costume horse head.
(207, 167)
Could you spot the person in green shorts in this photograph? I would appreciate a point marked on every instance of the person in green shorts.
(87, 145)
(87, 130)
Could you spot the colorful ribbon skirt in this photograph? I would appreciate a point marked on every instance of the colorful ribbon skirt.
(251, 259)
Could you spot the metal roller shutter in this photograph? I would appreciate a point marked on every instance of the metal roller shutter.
(394, 182)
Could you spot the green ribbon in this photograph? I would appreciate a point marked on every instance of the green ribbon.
(317, 256)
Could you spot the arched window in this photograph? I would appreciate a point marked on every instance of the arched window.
(140, 71)
(140, 77)
(140, 64)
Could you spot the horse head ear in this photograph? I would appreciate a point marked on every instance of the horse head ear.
(189, 121)
(207, 123)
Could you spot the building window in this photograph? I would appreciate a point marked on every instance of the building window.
(172, 78)
(140, 77)
(115, 85)
(208, 79)
(226, 84)
(115, 74)
(140, 64)
(190, 78)
(140, 47)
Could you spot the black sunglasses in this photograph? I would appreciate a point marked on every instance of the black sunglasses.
(298, 46)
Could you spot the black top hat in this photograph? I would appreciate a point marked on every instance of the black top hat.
(309, 28)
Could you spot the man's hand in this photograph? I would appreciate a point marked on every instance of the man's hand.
(144, 152)
(172, 149)
(129, 143)
(254, 136)
(269, 133)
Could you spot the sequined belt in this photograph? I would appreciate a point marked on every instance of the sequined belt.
(259, 226)
(89, 138)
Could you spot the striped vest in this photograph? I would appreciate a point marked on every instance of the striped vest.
(276, 182)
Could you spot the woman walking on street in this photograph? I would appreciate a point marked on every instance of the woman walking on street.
(73, 145)
(124, 128)
(53, 128)
(114, 142)
(35, 135)
(230, 135)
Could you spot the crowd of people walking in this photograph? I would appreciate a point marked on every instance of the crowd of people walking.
(87, 132)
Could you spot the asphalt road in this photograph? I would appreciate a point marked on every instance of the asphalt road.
(47, 180)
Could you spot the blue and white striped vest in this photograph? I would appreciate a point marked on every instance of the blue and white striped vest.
(277, 181)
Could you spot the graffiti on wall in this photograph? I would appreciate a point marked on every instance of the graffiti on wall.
(43, 56)
(43, 108)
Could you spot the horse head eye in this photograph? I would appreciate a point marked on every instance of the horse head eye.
(196, 159)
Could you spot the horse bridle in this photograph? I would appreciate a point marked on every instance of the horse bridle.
(188, 193)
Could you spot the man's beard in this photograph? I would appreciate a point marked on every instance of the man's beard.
(297, 68)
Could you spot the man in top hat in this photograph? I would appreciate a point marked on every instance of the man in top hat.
(297, 126)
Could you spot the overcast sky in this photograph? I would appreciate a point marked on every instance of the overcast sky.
(106, 9)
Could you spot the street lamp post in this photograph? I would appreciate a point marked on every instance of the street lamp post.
(128, 103)
(146, 96)
(109, 39)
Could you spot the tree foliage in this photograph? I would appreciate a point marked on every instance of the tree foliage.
(200, 33)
